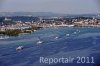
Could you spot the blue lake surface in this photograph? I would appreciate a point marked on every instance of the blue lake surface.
(57, 42)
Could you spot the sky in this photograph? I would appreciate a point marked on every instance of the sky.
(55, 6)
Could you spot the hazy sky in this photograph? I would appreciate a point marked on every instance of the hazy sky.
(56, 6)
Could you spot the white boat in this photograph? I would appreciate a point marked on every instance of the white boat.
(56, 37)
(4, 37)
(75, 32)
(20, 48)
(70, 25)
(67, 34)
(35, 30)
(39, 42)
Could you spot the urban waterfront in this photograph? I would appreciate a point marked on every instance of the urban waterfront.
(55, 42)
(49, 32)
(15, 25)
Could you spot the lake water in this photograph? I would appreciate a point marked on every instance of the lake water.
(55, 42)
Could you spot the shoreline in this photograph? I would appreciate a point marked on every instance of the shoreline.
(17, 32)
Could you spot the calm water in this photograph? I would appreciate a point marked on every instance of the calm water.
(57, 42)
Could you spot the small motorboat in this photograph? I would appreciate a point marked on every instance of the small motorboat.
(35, 30)
(56, 37)
(39, 42)
(75, 32)
(20, 48)
(4, 37)
(67, 34)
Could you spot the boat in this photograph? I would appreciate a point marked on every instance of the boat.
(20, 48)
(75, 32)
(39, 42)
(67, 34)
(4, 37)
(70, 25)
(56, 37)
(35, 30)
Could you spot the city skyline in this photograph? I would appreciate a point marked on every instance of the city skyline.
(55, 6)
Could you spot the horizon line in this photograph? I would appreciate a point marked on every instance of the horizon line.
(47, 12)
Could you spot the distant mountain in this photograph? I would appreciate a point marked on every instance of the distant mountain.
(29, 14)
(43, 14)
